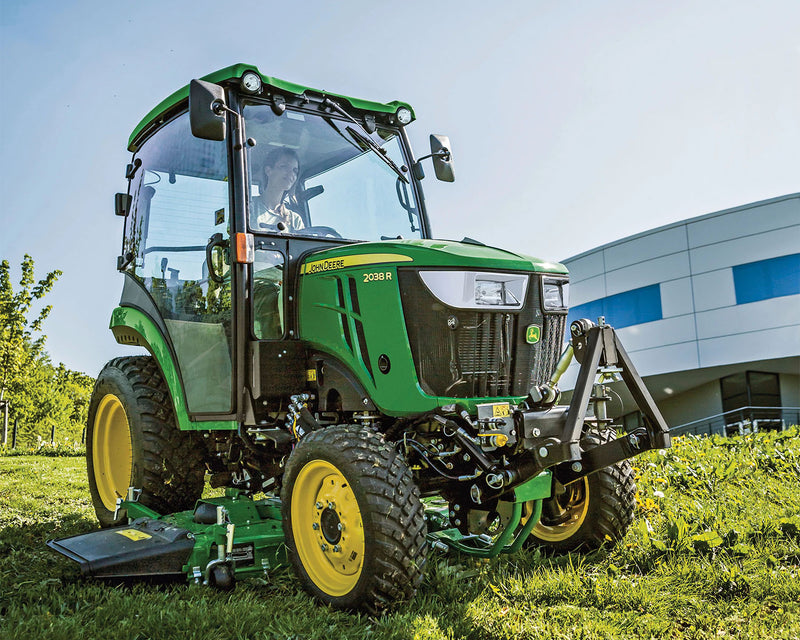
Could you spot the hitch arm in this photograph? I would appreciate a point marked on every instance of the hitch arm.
(657, 428)
(605, 455)
(594, 347)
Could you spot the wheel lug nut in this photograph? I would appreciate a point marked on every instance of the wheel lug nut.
(337, 548)
(318, 505)
(323, 546)
(315, 526)
(340, 527)
(331, 505)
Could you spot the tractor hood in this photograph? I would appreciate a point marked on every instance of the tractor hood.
(425, 253)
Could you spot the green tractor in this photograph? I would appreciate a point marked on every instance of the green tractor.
(364, 393)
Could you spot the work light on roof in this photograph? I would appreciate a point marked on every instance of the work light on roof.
(403, 115)
(251, 82)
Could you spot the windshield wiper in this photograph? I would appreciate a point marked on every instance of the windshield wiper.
(365, 139)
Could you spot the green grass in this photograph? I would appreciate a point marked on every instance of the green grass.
(715, 553)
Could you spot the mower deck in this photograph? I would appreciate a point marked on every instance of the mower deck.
(247, 536)
(244, 534)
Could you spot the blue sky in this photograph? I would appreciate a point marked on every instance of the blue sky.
(572, 123)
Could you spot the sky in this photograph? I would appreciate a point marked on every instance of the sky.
(572, 123)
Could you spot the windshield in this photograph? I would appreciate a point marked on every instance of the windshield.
(327, 177)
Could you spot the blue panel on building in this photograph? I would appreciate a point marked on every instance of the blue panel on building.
(623, 309)
(766, 279)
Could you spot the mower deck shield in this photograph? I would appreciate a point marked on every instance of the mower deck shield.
(146, 547)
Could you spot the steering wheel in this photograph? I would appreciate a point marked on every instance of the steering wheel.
(328, 232)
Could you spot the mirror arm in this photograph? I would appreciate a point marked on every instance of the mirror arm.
(443, 153)
(218, 107)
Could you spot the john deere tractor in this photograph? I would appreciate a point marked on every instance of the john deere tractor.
(363, 392)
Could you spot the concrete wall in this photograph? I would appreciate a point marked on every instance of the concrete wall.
(706, 270)
(692, 263)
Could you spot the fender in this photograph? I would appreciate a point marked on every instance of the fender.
(333, 375)
(133, 327)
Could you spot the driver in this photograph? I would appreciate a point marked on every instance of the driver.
(281, 169)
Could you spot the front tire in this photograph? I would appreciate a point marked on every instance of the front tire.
(353, 521)
(592, 511)
(132, 441)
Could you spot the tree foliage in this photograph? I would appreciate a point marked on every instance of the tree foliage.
(42, 396)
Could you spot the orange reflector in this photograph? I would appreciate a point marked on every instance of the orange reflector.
(245, 251)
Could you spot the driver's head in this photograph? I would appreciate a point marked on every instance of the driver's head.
(281, 169)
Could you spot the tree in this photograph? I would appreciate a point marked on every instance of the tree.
(44, 397)
(21, 337)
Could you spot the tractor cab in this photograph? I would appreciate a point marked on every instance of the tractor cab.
(228, 194)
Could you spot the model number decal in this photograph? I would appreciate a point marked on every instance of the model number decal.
(380, 275)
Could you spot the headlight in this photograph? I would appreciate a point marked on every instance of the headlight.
(555, 294)
(403, 115)
(251, 82)
(492, 292)
(477, 289)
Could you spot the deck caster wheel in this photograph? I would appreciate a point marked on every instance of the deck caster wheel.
(221, 577)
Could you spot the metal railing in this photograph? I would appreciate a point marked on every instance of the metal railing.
(741, 421)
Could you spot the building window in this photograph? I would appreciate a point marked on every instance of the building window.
(766, 279)
(750, 389)
(623, 309)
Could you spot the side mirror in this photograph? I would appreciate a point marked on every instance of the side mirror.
(207, 110)
(122, 204)
(442, 158)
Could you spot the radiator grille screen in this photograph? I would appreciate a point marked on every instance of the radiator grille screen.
(467, 353)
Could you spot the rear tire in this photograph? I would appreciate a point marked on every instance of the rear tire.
(352, 518)
(593, 511)
(132, 441)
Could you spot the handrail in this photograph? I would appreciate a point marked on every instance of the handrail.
(720, 415)
(745, 419)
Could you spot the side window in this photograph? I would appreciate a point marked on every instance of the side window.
(268, 321)
(181, 199)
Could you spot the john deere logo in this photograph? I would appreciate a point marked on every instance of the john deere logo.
(532, 334)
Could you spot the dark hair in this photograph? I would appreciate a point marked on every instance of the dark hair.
(280, 153)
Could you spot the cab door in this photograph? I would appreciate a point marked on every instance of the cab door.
(178, 239)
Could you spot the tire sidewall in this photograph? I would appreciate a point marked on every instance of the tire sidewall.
(369, 569)
(113, 381)
(588, 535)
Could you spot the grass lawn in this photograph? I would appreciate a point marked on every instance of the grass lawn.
(714, 553)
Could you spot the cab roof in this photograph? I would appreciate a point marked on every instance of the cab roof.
(234, 73)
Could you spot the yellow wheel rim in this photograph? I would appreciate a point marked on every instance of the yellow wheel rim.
(575, 506)
(112, 451)
(327, 528)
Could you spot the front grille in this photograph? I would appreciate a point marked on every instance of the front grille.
(467, 353)
(551, 347)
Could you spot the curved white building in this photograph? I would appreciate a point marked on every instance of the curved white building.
(709, 310)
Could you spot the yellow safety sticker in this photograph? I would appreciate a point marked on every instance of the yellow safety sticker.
(311, 375)
(134, 534)
(333, 264)
(502, 410)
